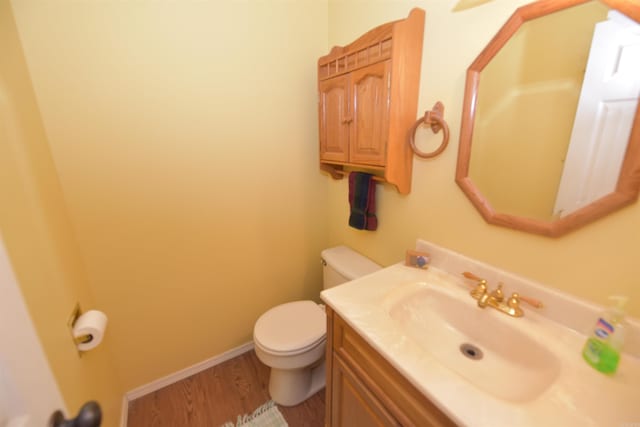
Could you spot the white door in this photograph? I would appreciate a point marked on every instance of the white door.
(28, 391)
(604, 117)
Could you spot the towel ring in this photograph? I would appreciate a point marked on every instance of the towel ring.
(435, 119)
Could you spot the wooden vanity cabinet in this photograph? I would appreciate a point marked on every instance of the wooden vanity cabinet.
(367, 101)
(365, 390)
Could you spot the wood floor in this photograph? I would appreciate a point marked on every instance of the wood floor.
(217, 395)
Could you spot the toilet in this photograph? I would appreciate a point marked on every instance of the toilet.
(291, 338)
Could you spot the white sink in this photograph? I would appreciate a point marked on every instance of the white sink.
(481, 345)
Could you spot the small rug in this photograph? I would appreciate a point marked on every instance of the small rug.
(266, 415)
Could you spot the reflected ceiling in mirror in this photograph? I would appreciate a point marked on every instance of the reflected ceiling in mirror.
(547, 145)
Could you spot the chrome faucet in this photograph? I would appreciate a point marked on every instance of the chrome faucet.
(495, 298)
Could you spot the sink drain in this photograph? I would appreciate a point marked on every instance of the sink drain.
(471, 351)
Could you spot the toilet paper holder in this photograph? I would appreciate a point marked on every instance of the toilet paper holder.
(73, 318)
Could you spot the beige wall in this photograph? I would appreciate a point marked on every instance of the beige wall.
(185, 136)
(593, 262)
(36, 230)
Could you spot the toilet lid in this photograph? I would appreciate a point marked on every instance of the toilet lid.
(291, 327)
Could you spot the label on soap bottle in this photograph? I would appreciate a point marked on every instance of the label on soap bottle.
(603, 329)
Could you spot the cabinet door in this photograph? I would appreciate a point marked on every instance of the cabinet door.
(370, 127)
(335, 116)
(353, 404)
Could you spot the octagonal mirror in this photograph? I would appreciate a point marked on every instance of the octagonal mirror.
(550, 136)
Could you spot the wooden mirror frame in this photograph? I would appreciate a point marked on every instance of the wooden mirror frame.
(628, 186)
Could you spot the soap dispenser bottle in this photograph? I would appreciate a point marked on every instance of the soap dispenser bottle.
(602, 349)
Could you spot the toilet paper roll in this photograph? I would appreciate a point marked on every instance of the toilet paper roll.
(89, 329)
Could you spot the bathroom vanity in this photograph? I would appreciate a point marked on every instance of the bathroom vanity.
(363, 389)
(412, 347)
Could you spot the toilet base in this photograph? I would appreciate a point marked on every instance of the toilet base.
(289, 387)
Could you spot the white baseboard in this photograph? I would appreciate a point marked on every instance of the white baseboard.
(178, 376)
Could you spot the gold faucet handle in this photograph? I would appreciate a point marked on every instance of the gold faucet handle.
(532, 301)
(472, 276)
(480, 289)
(515, 299)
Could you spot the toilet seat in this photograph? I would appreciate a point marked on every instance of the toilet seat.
(291, 328)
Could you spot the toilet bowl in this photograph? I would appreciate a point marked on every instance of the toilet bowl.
(291, 338)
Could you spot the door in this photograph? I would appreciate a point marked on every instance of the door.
(335, 117)
(604, 117)
(370, 106)
(28, 391)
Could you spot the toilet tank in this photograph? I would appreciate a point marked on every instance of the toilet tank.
(342, 264)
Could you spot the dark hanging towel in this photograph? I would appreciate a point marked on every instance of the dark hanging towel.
(362, 200)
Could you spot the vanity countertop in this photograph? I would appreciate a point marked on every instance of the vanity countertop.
(579, 395)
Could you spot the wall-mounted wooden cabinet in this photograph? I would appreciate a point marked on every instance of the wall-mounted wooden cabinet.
(363, 389)
(367, 101)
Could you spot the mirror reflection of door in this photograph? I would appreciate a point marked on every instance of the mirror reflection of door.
(604, 116)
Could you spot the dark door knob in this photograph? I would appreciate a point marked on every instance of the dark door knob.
(90, 415)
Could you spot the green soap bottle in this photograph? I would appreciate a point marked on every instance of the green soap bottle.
(602, 349)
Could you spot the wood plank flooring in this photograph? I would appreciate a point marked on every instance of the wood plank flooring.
(217, 395)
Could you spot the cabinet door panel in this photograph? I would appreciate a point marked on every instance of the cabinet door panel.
(354, 405)
(370, 127)
(335, 116)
